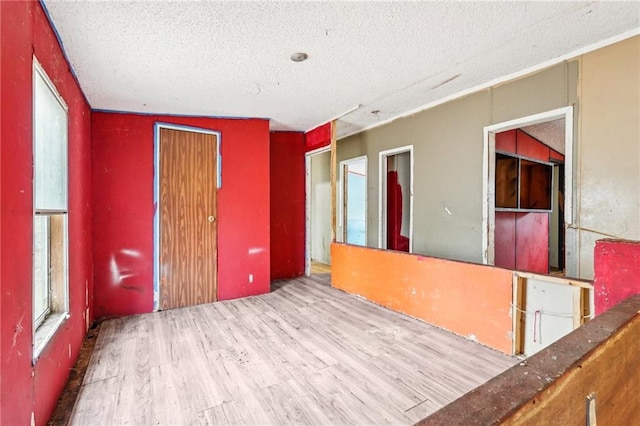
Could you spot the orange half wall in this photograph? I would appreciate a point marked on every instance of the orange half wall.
(467, 299)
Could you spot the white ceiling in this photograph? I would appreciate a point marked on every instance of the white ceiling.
(386, 58)
(551, 133)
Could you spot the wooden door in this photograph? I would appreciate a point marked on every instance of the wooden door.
(188, 224)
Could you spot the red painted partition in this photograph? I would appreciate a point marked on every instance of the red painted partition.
(123, 155)
(318, 137)
(506, 141)
(395, 241)
(287, 204)
(522, 239)
(530, 147)
(29, 393)
(467, 299)
(505, 240)
(616, 272)
(532, 242)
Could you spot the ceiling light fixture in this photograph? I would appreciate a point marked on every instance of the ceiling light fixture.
(299, 57)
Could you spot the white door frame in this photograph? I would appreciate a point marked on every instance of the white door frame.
(343, 163)
(307, 205)
(156, 193)
(382, 195)
(489, 173)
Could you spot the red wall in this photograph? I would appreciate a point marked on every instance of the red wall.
(25, 389)
(616, 272)
(505, 240)
(522, 239)
(287, 204)
(318, 137)
(123, 153)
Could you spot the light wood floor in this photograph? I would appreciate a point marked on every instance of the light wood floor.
(305, 353)
(320, 268)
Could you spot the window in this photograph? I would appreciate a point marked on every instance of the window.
(50, 202)
(522, 184)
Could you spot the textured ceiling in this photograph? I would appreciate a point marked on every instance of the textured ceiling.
(551, 133)
(386, 58)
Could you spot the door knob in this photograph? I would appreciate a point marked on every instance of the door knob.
(211, 218)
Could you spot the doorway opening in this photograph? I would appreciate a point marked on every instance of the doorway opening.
(318, 211)
(556, 222)
(352, 206)
(527, 194)
(396, 199)
(186, 180)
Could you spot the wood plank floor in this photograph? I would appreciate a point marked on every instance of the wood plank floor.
(305, 353)
(320, 268)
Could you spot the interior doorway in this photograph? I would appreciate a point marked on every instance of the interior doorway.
(528, 194)
(527, 198)
(396, 199)
(318, 211)
(556, 222)
(185, 225)
(352, 207)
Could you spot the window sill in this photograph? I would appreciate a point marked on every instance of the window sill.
(518, 210)
(46, 331)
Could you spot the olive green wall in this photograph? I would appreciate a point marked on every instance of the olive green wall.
(608, 172)
(448, 146)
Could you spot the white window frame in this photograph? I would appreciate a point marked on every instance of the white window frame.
(49, 321)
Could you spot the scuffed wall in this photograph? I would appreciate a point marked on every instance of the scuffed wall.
(448, 144)
(287, 174)
(604, 89)
(608, 151)
(123, 155)
(29, 390)
(470, 300)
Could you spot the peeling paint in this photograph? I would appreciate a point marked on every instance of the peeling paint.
(130, 252)
(19, 329)
(616, 272)
(121, 269)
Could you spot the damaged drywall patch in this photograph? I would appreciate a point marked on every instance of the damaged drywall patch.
(19, 329)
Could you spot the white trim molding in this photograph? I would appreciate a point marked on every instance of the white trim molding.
(307, 205)
(500, 80)
(156, 193)
(382, 194)
(488, 173)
